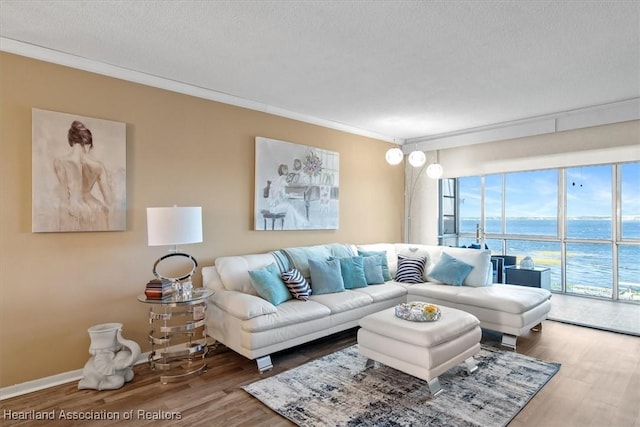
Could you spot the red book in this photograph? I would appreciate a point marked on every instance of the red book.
(158, 294)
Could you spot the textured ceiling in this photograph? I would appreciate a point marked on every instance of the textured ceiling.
(398, 69)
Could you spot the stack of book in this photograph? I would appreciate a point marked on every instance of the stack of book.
(159, 289)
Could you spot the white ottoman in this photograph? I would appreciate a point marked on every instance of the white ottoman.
(422, 349)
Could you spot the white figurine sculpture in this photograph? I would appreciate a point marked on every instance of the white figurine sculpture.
(111, 358)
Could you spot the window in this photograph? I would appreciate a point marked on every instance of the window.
(630, 200)
(448, 206)
(629, 272)
(580, 222)
(589, 267)
(629, 245)
(531, 203)
(589, 200)
(470, 202)
(493, 203)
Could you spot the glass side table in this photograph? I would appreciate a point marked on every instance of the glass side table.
(178, 336)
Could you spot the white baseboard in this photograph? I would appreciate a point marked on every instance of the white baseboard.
(52, 381)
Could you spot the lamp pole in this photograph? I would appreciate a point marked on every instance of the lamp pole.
(410, 193)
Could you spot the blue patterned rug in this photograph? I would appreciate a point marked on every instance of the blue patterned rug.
(336, 390)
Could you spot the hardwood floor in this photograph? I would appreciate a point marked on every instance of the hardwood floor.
(598, 384)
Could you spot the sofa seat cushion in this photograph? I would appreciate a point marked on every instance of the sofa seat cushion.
(288, 313)
(506, 298)
(343, 301)
(435, 290)
(385, 292)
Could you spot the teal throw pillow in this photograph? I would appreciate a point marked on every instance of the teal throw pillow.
(326, 276)
(383, 261)
(450, 271)
(352, 271)
(373, 270)
(268, 284)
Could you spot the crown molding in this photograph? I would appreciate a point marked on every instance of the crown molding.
(77, 62)
(575, 119)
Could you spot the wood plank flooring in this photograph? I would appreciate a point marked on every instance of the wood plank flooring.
(598, 384)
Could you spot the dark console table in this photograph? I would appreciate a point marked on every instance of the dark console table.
(535, 278)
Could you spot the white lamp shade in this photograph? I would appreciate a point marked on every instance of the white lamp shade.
(417, 158)
(394, 156)
(434, 171)
(174, 225)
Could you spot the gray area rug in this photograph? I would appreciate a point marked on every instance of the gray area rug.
(336, 390)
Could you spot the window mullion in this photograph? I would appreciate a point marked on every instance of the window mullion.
(616, 224)
(562, 226)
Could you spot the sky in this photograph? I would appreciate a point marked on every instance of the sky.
(535, 193)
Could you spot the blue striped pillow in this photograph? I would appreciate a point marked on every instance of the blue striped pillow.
(297, 284)
(410, 270)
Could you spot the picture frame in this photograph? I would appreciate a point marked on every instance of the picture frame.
(296, 186)
(78, 173)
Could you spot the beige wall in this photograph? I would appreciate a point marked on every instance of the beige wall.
(180, 150)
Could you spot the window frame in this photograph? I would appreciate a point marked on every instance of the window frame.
(616, 239)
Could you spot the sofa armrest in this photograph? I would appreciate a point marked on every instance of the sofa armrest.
(241, 305)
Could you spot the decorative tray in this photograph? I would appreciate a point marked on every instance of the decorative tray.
(418, 311)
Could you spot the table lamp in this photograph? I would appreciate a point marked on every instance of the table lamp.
(173, 226)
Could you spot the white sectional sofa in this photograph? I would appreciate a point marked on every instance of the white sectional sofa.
(254, 327)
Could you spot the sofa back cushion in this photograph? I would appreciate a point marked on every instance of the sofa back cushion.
(298, 257)
(234, 271)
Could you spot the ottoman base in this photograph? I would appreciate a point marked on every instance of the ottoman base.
(424, 350)
(434, 383)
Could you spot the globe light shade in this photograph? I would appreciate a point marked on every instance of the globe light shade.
(417, 158)
(434, 170)
(394, 156)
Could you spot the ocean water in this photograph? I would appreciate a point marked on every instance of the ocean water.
(589, 268)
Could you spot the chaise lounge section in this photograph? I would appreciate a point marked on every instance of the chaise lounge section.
(255, 325)
(510, 309)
